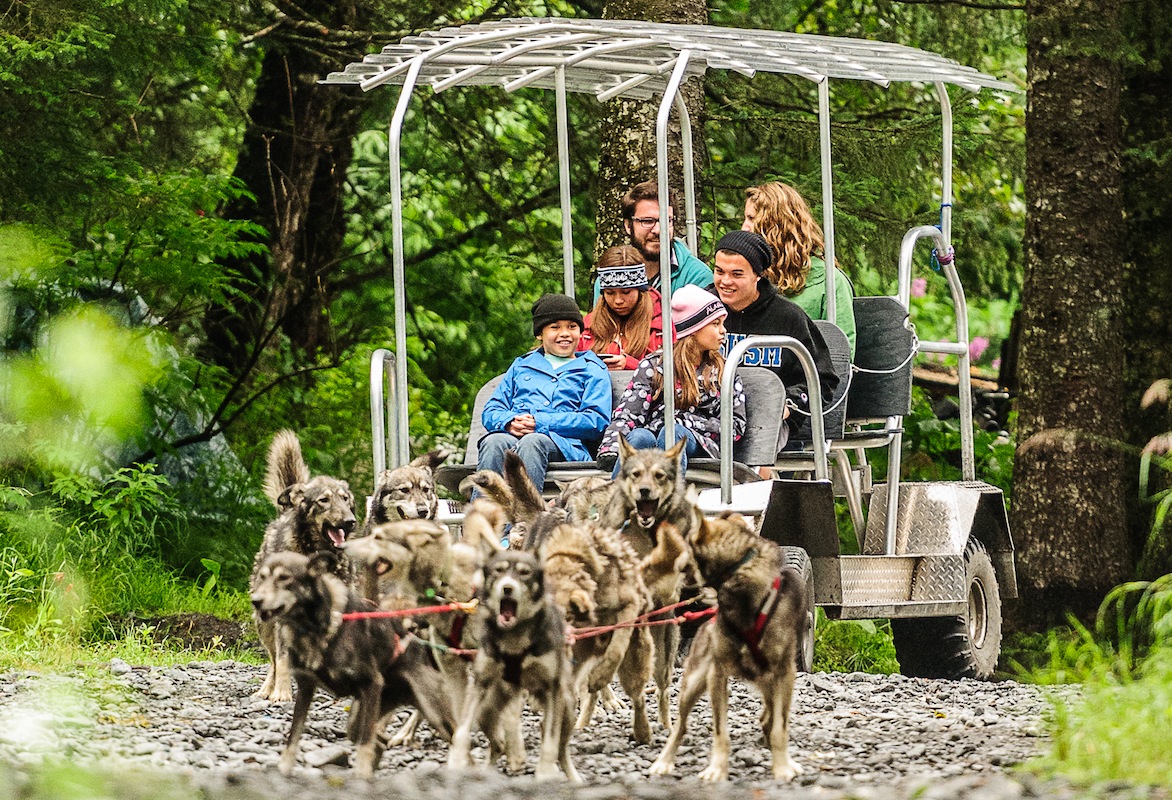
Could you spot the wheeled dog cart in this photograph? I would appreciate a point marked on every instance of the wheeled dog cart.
(936, 558)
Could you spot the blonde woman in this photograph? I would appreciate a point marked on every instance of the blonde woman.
(779, 213)
(627, 321)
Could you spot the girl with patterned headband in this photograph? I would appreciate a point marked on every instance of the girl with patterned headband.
(627, 321)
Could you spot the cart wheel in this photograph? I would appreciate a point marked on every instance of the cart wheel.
(796, 557)
(965, 646)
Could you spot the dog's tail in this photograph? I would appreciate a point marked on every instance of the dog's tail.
(527, 500)
(286, 466)
(484, 524)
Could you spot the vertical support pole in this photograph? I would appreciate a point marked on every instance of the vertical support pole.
(692, 231)
(665, 239)
(563, 133)
(394, 136)
(827, 195)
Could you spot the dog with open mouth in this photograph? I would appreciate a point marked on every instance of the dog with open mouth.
(369, 659)
(315, 516)
(406, 492)
(523, 652)
(650, 492)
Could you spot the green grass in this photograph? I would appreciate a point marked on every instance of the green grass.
(65, 781)
(854, 646)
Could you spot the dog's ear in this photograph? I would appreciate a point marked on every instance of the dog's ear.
(291, 497)
(676, 451)
(321, 563)
(625, 449)
(428, 461)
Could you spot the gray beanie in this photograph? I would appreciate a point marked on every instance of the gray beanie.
(554, 308)
(752, 246)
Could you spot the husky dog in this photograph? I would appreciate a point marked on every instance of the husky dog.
(596, 579)
(316, 515)
(367, 659)
(648, 493)
(418, 560)
(585, 498)
(406, 492)
(755, 636)
(522, 651)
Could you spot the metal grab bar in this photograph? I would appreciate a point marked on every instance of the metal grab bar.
(813, 391)
(382, 408)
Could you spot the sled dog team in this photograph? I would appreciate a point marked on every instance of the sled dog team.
(491, 628)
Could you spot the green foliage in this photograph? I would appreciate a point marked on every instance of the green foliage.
(854, 646)
(1119, 728)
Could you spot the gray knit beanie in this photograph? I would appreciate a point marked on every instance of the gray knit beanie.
(554, 308)
(752, 246)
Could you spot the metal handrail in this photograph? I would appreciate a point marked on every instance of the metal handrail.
(813, 391)
(382, 408)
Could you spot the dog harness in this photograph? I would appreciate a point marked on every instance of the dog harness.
(752, 636)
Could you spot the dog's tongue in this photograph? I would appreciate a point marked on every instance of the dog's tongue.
(337, 536)
(508, 612)
(646, 511)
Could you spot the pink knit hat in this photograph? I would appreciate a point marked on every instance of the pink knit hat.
(692, 308)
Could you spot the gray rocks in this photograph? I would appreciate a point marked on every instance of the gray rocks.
(856, 735)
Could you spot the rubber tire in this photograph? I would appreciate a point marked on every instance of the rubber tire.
(797, 558)
(965, 646)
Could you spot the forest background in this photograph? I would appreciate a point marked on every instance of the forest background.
(194, 253)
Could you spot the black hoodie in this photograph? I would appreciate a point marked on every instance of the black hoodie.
(771, 313)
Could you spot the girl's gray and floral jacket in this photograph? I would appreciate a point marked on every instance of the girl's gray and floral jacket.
(638, 408)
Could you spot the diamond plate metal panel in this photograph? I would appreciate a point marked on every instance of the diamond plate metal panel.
(867, 580)
(939, 578)
(934, 517)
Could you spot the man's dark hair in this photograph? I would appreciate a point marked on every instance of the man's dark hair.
(647, 190)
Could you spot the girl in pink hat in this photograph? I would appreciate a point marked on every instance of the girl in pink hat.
(698, 319)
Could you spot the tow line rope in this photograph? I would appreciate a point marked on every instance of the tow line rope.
(446, 608)
(645, 620)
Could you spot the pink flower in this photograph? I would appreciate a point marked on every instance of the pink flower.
(977, 347)
(919, 287)
(996, 363)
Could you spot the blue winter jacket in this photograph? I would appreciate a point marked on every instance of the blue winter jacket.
(571, 405)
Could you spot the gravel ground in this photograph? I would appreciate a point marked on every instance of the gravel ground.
(856, 735)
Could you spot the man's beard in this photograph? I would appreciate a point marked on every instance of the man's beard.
(643, 248)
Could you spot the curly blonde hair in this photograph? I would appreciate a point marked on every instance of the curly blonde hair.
(635, 328)
(689, 360)
(786, 222)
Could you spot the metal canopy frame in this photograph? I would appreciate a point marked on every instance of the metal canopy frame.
(645, 61)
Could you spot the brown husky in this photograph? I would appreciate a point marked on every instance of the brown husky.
(316, 515)
(522, 651)
(649, 492)
(754, 636)
(406, 492)
(367, 659)
(595, 577)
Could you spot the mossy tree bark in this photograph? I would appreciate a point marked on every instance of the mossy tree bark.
(1069, 510)
(1147, 174)
(627, 143)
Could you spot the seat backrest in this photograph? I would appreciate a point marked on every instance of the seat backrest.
(840, 356)
(884, 342)
(764, 401)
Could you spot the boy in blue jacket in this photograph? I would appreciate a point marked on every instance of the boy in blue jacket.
(552, 400)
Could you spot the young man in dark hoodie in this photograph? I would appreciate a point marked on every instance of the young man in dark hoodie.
(755, 307)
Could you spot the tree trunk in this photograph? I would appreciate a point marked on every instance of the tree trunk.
(1147, 174)
(1069, 515)
(627, 152)
(294, 158)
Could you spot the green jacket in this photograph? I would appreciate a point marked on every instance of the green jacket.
(812, 299)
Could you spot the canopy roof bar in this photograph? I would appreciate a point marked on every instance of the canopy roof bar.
(600, 56)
